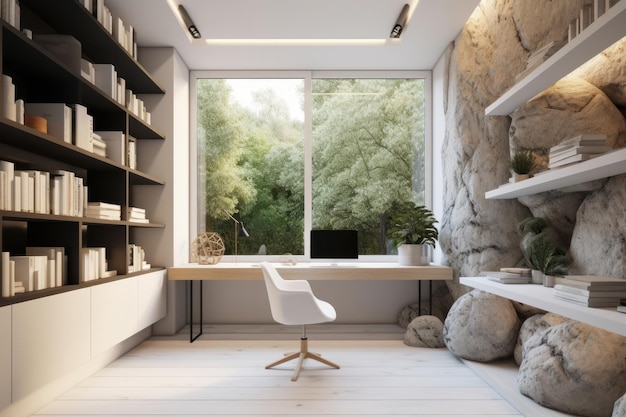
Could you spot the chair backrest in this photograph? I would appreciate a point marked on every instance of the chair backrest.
(292, 302)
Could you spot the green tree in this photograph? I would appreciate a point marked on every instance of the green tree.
(368, 154)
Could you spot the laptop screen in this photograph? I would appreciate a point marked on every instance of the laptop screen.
(334, 244)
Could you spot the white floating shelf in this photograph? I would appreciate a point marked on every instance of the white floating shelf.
(542, 297)
(604, 166)
(602, 33)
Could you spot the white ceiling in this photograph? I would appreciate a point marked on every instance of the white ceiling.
(434, 23)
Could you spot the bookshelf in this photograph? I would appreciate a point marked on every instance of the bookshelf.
(602, 33)
(603, 166)
(542, 297)
(40, 76)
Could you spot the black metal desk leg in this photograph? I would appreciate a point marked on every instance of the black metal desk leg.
(191, 335)
(419, 298)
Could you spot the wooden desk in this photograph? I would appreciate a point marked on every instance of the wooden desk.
(310, 271)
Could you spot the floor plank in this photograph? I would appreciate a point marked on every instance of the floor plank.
(224, 377)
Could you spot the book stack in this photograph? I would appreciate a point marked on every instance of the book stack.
(509, 275)
(590, 290)
(576, 149)
(38, 269)
(94, 265)
(99, 145)
(539, 56)
(104, 211)
(137, 215)
(137, 258)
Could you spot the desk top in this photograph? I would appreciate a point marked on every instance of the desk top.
(312, 271)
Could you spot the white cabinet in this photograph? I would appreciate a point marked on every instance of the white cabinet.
(5, 356)
(151, 298)
(50, 336)
(113, 314)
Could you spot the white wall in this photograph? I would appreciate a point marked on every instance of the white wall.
(439, 131)
(168, 160)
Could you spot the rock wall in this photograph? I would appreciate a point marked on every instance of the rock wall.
(493, 47)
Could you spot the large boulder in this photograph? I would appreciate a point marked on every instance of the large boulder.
(482, 327)
(619, 410)
(531, 326)
(575, 368)
(425, 331)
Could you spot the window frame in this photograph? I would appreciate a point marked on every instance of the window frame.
(307, 76)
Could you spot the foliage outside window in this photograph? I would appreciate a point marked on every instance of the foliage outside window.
(368, 153)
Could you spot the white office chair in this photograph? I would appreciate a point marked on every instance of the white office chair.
(293, 303)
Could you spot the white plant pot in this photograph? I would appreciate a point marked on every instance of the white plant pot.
(414, 255)
(518, 177)
(536, 276)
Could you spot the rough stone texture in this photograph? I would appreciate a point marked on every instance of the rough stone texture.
(619, 410)
(442, 301)
(598, 242)
(574, 368)
(492, 48)
(425, 331)
(607, 71)
(481, 327)
(532, 326)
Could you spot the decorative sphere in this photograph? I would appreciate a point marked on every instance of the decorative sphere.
(207, 248)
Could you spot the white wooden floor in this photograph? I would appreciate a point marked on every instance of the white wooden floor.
(171, 377)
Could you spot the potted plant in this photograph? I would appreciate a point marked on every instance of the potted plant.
(413, 229)
(541, 251)
(522, 163)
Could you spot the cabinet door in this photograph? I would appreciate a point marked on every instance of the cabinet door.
(151, 298)
(5, 356)
(50, 337)
(113, 314)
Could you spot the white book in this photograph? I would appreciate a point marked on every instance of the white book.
(65, 192)
(580, 140)
(23, 182)
(106, 79)
(6, 274)
(19, 111)
(82, 127)
(25, 271)
(116, 145)
(103, 205)
(40, 276)
(595, 292)
(52, 253)
(571, 160)
(132, 152)
(17, 193)
(556, 156)
(9, 169)
(87, 70)
(8, 89)
(58, 115)
(586, 16)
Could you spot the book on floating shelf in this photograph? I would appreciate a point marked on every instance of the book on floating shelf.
(578, 150)
(592, 282)
(539, 56)
(587, 139)
(508, 275)
(591, 291)
(571, 160)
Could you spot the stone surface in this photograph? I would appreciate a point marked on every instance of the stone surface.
(425, 331)
(598, 244)
(532, 326)
(570, 107)
(574, 368)
(619, 410)
(442, 301)
(481, 327)
(607, 71)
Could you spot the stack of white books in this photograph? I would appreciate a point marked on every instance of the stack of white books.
(576, 149)
(94, 265)
(105, 211)
(137, 215)
(539, 56)
(591, 290)
(509, 275)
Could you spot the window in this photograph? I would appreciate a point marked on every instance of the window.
(283, 153)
